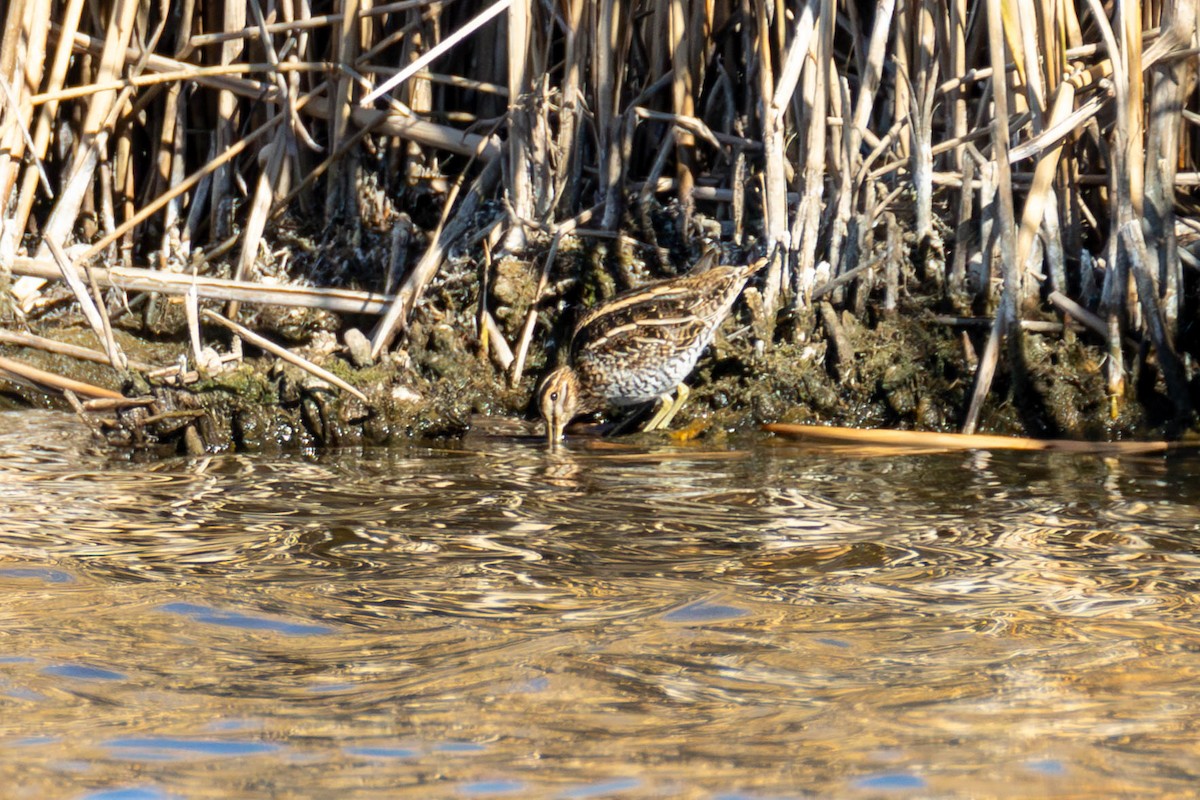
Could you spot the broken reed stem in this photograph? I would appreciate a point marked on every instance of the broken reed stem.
(96, 316)
(474, 24)
(178, 76)
(26, 372)
(133, 279)
(35, 342)
(282, 352)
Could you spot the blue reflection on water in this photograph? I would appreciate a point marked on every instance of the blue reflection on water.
(232, 619)
(83, 672)
(893, 781)
(459, 747)
(138, 793)
(44, 574)
(381, 752)
(492, 787)
(705, 612)
(156, 748)
(601, 788)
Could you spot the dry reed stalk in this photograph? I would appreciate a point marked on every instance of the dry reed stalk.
(1006, 315)
(233, 18)
(891, 266)
(340, 196)
(94, 312)
(1069, 307)
(133, 279)
(776, 97)
(699, 127)
(1043, 178)
(272, 175)
(39, 171)
(966, 242)
(291, 26)
(429, 134)
(299, 19)
(162, 69)
(266, 191)
(688, 28)
(1032, 325)
(921, 99)
(1067, 34)
(1167, 101)
(1168, 359)
(520, 188)
(1127, 231)
(1129, 14)
(959, 441)
(956, 36)
(114, 403)
(24, 61)
(35, 342)
(117, 186)
(11, 62)
(92, 140)
(817, 70)
(169, 156)
(844, 165)
(871, 71)
(575, 58)
(902, 38)
(495, 9)
(497, 347)
(613, 36)
(46, 114)
(282, 352)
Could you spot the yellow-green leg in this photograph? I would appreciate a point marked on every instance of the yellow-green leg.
(668, 408)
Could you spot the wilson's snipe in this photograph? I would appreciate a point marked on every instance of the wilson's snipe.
(640, 346)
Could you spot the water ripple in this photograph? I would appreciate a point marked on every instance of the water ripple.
(686, 621)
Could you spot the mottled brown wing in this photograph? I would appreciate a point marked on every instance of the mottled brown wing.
(656, 318)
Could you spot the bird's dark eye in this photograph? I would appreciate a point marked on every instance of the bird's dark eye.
(553, 396)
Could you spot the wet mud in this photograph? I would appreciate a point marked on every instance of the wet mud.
(906, 369)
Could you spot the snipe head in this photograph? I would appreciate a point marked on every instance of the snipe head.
(559, 401)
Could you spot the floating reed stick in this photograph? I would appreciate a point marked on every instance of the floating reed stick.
(926, 441)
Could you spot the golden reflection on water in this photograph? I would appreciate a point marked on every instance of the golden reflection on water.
(769, 621)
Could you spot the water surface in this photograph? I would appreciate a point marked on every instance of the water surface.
(490, 620)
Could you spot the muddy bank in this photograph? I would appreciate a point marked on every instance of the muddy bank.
(908, 369)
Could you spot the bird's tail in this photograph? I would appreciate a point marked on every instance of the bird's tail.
(755, 267)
